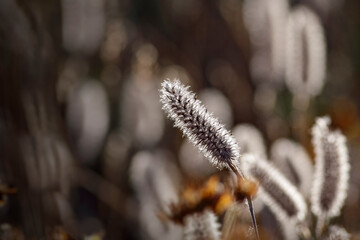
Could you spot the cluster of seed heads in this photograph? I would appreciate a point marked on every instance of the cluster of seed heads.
(282, 196)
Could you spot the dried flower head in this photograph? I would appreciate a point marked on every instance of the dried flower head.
(198, 125)
(331, 170)
(275, 190)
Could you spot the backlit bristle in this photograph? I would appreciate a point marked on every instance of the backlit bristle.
(266, 23)
(198, 125)
(294, 162)
(201, 226)
(305, 53)
(275, 190)
(331, 170)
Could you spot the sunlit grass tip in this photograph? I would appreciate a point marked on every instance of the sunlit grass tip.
(199, 125)
(275, 190)
(331, 177)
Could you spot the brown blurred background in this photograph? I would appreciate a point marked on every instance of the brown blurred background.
(83, 138)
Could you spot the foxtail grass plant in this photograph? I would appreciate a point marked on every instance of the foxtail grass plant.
(276, 191)
(202, 129)
(331, 177)
(331, 174)
(305, 53)
(198, 125)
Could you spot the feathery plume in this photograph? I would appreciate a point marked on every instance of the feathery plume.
(331, 170)
(275, 190)
(198, 125)
(305, 53)
(266, 23)
(202, 129)
(293, 161)
(202, 226)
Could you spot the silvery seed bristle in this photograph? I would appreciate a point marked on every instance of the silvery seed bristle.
(198, 125)
(202, 226)
(202, 129)
(331, 177)
(294, 162)
(275, 190)
(305, 53)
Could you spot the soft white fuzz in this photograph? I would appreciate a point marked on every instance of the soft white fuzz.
(266, 23)
(198, 125)
(305, 53)
(331, 177)
(292, 159)
(201, 226)
(336, 232)
(275, 190)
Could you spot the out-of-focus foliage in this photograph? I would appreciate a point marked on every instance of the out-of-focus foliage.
(83, 139)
